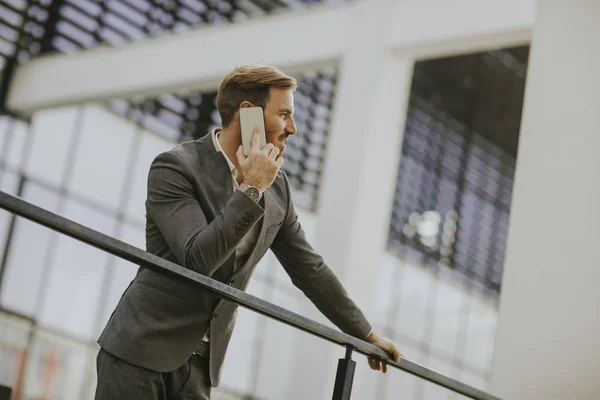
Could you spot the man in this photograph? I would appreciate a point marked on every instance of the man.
(214, 210)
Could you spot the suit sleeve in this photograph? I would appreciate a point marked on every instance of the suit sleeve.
(310, 274)
(171, 203)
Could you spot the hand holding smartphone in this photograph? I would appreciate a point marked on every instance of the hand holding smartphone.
(259, 168)
(251, 117)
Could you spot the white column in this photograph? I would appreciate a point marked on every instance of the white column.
(359, 180)
(548, 340)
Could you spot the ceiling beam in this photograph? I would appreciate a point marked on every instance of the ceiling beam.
(293, 41)
(185, 61)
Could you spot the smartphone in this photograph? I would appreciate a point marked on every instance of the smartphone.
(251, 117)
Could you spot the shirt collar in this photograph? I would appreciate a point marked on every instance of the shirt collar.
(215, 137)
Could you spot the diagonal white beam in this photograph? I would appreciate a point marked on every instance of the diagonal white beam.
(188, 60)
(199, 58)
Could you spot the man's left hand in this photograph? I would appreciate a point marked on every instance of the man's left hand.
(386, 345)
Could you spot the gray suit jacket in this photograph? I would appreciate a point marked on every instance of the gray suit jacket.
(194, 218)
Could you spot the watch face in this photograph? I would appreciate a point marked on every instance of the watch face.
(253, 193)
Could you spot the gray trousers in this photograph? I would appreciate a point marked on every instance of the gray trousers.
(120, 380)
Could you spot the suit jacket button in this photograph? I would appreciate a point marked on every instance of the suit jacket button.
(215, 316)
(231, 282)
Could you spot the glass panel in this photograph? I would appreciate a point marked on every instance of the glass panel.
(414, 291)
(481, 332)
(57, 368)
(72, 294)
(240, 367)
(102, 158)
(478, 381)
(52, 137)
(388, 276)
(14, 333)
(5, 133)
(17, 138)
(459, 151)
(449, 314)
(150, 146)
(9, 182)
(24, 268)
(240, 364)
(277, 353)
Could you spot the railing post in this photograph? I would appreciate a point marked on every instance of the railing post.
(5, 392)
(344, 377)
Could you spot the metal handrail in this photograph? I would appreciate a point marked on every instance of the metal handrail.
(135, 255)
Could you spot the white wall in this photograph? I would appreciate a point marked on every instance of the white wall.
(548, 344)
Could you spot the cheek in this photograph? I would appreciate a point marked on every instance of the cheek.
(274, 126)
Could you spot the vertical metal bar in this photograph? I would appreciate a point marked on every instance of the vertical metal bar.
(344, 377)
(5, 393)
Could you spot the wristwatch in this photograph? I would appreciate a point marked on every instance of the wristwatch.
(251, 192)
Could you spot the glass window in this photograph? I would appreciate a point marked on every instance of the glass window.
(5, 133)
(240, 367)
(52, 132)
(56, 368)
(480, 335)
(77, 271)
(16, 143)
(150, 145)
(413, 291)
(101, 164)
(277, 355)
(457, 166)
(28, 254)
(449, 316)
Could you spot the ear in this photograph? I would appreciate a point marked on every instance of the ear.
(246, 104)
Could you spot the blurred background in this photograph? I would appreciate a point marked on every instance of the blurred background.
(409, 118)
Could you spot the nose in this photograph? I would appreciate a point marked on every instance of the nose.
(290, 128)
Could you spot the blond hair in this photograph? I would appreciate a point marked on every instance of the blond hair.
(249, 83)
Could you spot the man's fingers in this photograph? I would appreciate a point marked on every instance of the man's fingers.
(273, 153)
(267, 149)
(395, 353)
(373, 364)
(279, 162)
(255, 139)
(384, 367)
(241, 157)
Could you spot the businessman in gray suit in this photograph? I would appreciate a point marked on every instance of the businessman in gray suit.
(215, 211)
